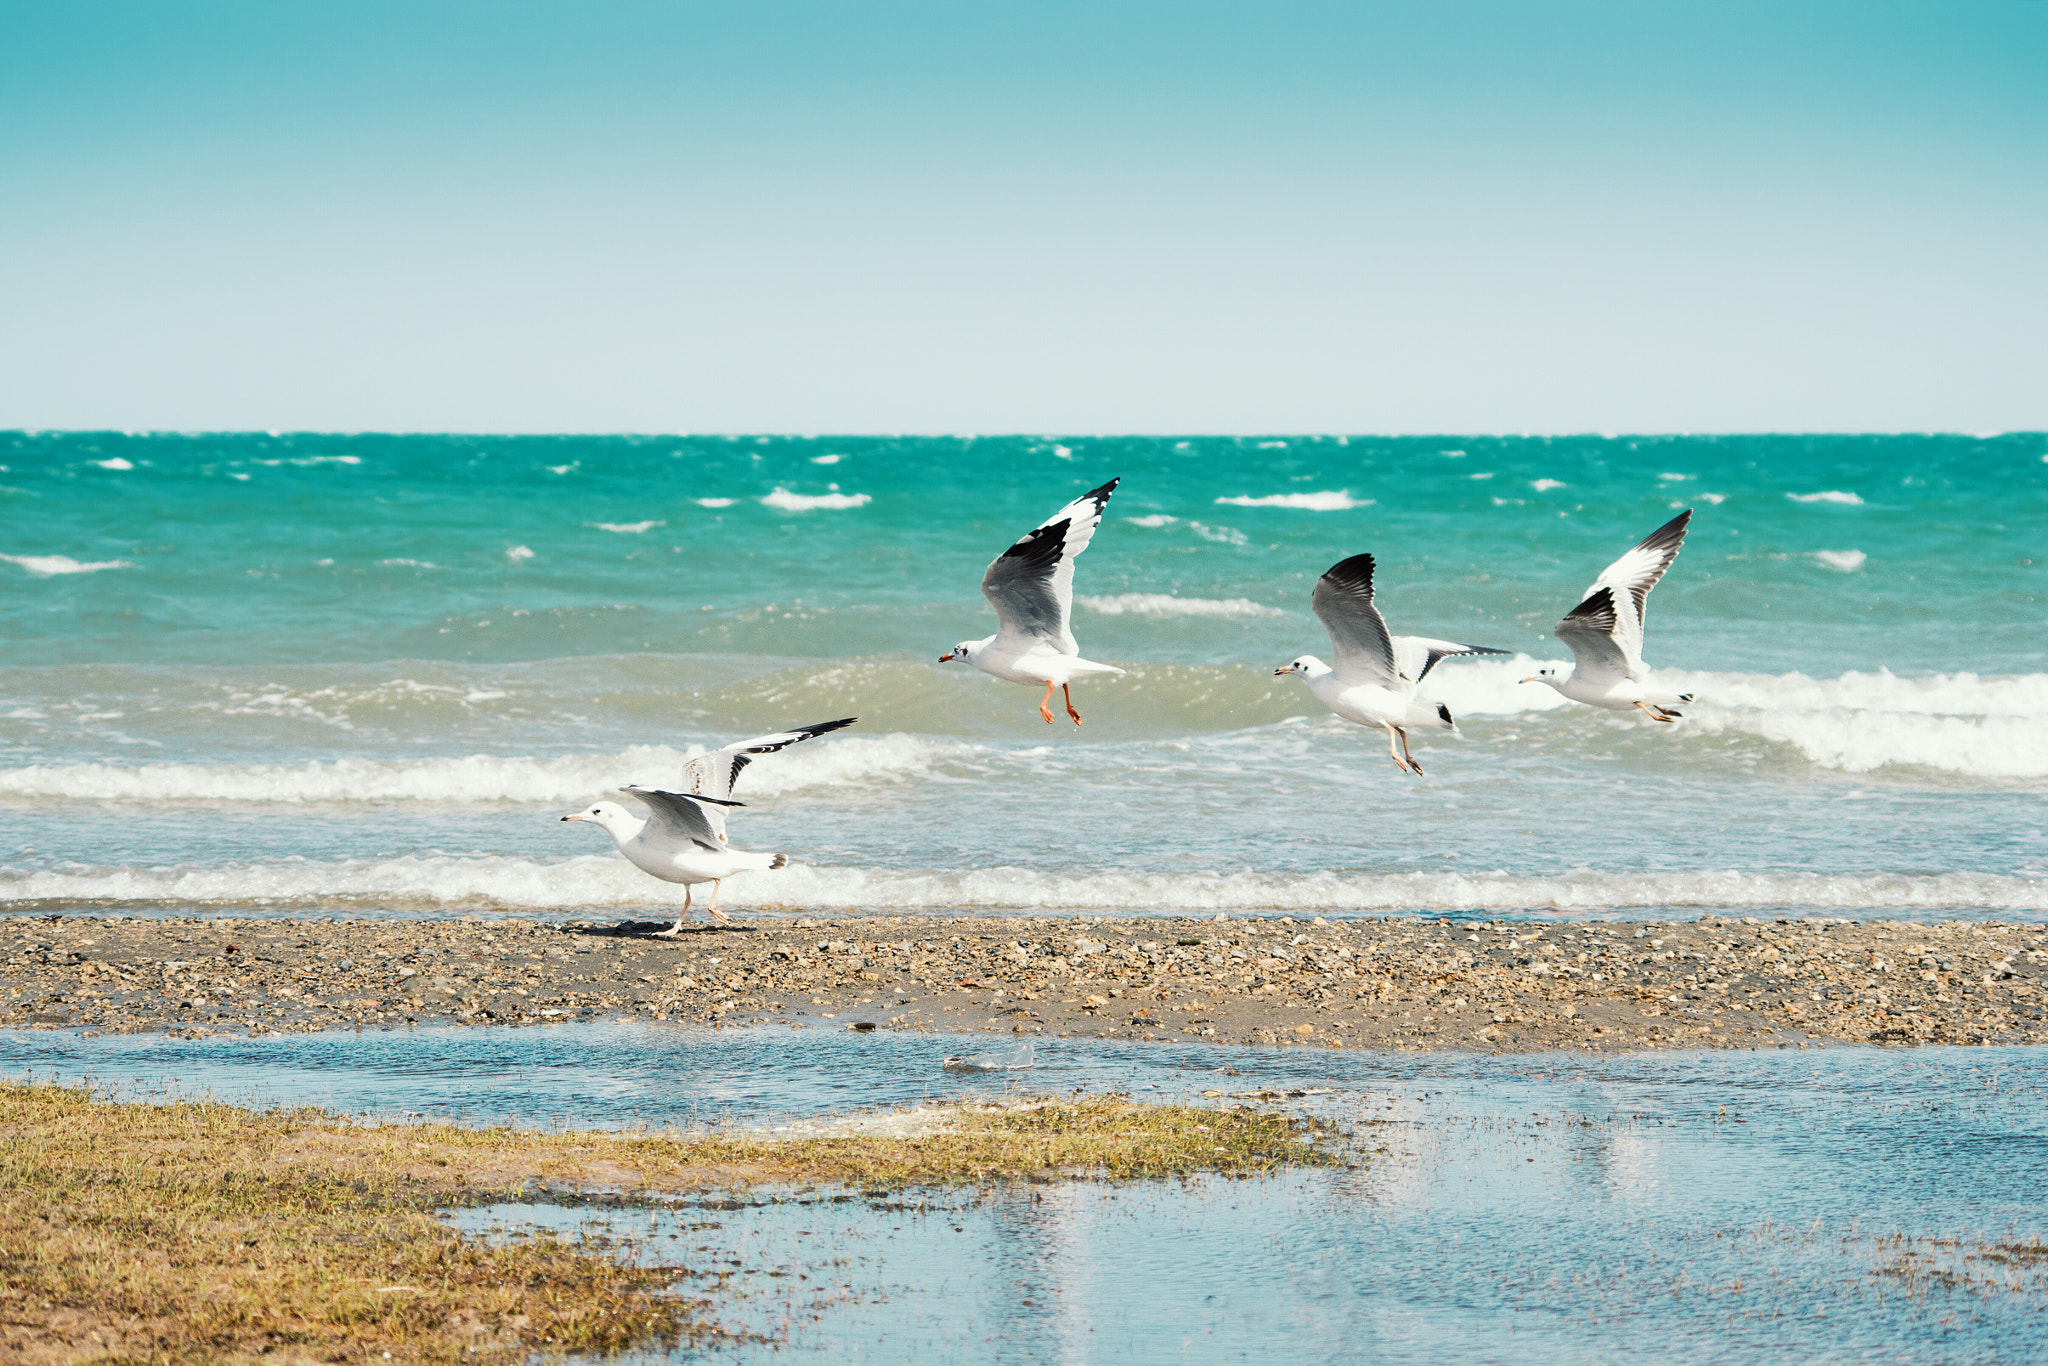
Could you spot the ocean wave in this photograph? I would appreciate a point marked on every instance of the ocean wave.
(606, 881)
(475, 778)
(1327, 500)
(1858, 722)
(806, 502)
(1167, 605)
(49, 566)
(1827, 496)
(1848, 561)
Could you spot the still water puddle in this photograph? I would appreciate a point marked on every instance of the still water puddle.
(1837, 1205)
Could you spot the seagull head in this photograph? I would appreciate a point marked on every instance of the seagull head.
(1300, 666)
(961, 651)
(607, 814)
(1547, 674)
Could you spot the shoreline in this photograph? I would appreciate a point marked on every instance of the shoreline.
(1494, 986)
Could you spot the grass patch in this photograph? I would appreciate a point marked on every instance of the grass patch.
(195, 1231)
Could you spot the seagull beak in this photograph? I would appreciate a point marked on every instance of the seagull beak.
(946, 658)
(1278, 672)
(577, 816)
(1532, 679)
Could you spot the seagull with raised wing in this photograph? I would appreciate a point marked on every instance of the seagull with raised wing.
(1605, 632)
(1376, 673)
(683, 837)
(1031, 586)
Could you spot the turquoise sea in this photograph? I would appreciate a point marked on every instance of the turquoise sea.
(365, 673)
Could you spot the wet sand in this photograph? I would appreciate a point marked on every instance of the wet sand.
(1386, 983)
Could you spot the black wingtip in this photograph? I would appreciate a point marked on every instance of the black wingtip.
(1598, 607)
(1672, 533)
(1443, 711)
(1101, 495)
(1355, 570)
(824, 727)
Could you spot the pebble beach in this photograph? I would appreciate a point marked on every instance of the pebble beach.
(1502, 986)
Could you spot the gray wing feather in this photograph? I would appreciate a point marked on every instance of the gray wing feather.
(685, 817)
(1358, 633)
(1031, 585)
(1589, 631)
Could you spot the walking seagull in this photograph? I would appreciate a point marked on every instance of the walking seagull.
(1605, 632)
(1031, 586)
(1374, 679)
(683, 838)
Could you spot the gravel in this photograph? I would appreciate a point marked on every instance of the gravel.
(1390, 983)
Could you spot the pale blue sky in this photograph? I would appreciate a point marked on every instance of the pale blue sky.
(1051, 215)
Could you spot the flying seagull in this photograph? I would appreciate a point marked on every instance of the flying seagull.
(683, 837)
(1605, 632)
(1031, 586)
(1374, 679)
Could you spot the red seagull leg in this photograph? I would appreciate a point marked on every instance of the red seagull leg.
(1045, 705)
(1070, 703)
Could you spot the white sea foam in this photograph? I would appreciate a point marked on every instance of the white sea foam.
(1858, 722)
(517, 553)
(568, 779)
(605, 880)
(628, 528)
(117, 463)
(1830, 496)
(804, 502)
(1327, 500)
(826, 459)
(1223, 535)
(1155, 519)
(48, 566)
(1166, 605)
(1546, 485)
(1848, 561)
(714, 502)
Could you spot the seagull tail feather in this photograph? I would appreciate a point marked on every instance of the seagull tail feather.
(778, 861)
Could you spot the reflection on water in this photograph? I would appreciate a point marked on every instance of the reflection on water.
(1837, 1205)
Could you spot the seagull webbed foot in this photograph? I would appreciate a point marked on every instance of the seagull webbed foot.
(671, 932)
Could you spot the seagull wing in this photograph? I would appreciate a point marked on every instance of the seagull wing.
(684, 817)
(713, 774)
(1417, 655)
(1031, 585)
(1627, 584)
(1358, 634)
(1590, 631)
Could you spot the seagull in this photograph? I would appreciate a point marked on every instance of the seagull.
(683, 838)
(1605, 632)
(1376, 674)
(1031, 586)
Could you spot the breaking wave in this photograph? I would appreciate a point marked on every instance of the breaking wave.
(605, 881)
(474, 778)
(1167, 605)
(1858, 722)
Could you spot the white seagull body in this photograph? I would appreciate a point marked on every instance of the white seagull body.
(1031, 586)
(683, 838)
(1605, 632)
(1374, 680)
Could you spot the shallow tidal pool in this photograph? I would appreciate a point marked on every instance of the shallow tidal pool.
(1845, 1204)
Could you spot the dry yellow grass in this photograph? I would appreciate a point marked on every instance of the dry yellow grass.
(196, 1231)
